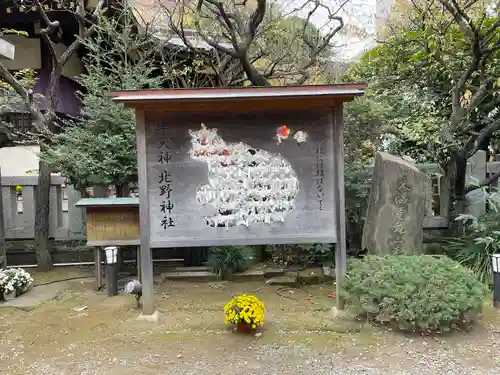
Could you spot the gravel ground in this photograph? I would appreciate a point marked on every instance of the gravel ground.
(84, 333)
(270, 361)
(210, 355)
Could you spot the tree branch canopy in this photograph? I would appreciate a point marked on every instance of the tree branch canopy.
(269, 43)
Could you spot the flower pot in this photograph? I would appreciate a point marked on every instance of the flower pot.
(25, 289)
(243, 328)
(9, 295)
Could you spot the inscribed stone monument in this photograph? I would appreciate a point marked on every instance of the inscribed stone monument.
(396, 207)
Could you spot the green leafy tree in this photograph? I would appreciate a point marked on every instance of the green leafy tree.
(45, 119)
(100, 148)
(437, 76)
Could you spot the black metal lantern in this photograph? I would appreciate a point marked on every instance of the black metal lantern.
(495, 260)
(112, 270)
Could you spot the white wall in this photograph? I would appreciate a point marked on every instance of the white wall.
(17, 160)
(28, 55)
(73, 67)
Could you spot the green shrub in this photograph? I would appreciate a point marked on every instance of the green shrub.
(481, 239)
(316, 254)
(413, 293)
(224, 260)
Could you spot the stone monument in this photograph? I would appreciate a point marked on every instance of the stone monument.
(396, 207)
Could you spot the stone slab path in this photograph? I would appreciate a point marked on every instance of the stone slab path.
(36, 296)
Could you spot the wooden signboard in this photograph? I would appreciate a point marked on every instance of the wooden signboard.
(240, 166)
(111, 221)
(215, 179)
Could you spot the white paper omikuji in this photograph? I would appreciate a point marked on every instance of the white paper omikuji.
(245, 185)
(300, 136)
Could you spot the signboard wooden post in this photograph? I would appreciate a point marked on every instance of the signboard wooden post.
(240, 166)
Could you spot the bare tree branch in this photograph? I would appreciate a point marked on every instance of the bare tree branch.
(461, 18)
(25, 94)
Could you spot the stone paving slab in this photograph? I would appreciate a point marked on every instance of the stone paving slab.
(36, 296)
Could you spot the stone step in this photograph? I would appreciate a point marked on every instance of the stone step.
(290, 281)
(247, 276)
(272, 272)
(192, 269)
(209, 276)
(189, 276)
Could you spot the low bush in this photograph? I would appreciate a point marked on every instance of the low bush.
(224, 260)
(413, 293)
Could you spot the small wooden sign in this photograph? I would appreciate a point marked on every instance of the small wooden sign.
(111, 221)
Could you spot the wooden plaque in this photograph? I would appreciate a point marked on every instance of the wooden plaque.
(112, 224)
(234, 179)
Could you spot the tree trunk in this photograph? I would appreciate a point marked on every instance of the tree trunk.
(3, 247)
(42, 204)
(122, 190)
(456, 172)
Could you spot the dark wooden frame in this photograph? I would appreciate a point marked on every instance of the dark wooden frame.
(233, 100)
(103, 204)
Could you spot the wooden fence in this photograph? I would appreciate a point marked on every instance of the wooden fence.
(67, 222)
(477, 171)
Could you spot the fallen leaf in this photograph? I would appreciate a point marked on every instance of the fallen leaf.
(291, 341)
(80, 309)
(307, 299)
(331, 295)
(258, 334)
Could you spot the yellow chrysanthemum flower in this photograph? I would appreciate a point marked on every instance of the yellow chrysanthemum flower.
(245, 308)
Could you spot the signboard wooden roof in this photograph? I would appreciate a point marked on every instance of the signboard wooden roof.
(240, 99)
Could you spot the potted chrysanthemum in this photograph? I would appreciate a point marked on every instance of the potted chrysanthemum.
(14, 282)
(246, 312)
(7, 289)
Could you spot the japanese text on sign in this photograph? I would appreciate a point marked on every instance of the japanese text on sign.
(320, 174)
(165, 179)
